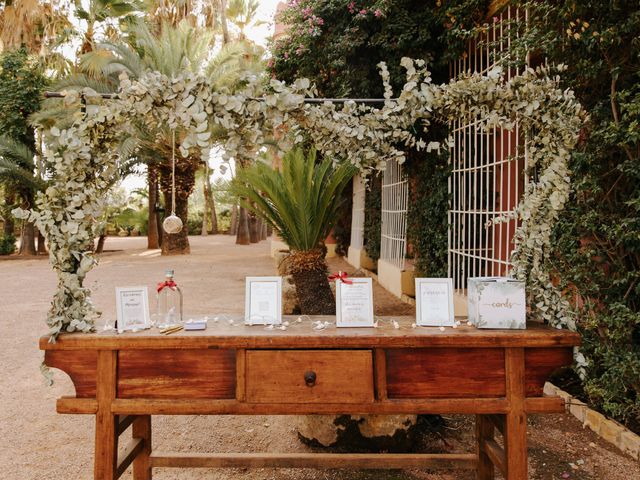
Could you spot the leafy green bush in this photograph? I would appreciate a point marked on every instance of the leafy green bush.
(194, 223)
(342, 228)
(373, 217)
(597, 240)
(129, 219)
(427, 221)
(224, 220)
(7, 244)
(338, 43)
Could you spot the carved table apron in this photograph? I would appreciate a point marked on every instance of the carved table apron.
(498, 375)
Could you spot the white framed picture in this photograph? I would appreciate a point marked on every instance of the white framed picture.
(354, 303)
(263, 301)
(132, 308)
(434, 302)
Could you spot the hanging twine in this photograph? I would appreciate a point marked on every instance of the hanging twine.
(173, 172)
(173, 224)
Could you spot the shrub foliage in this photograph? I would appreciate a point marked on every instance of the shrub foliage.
(597, 241)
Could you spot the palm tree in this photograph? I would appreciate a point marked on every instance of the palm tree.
(18, 174)
(209, 213)
(222, 6)
(99, 11)
(21, 83)
(35, 25)
(169, 51)
(301, 203)
(242, 13)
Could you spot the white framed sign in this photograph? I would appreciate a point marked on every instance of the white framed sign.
(434, 302)
(132, 308)
(354, 303)
(263, 301)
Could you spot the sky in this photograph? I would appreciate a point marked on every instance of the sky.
(266, 11)
(259, 35)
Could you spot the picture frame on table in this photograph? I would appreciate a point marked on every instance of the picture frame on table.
(434, 302)
(263, 301)
(132, 309)
(354, 303)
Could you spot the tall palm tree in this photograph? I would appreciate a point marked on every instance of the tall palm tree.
(169, 51)
(18, 173)
(300, 202)
(21, 83)
(222, 6)
(98, 11)
(33, 24)
(201, 13)
(242, 13)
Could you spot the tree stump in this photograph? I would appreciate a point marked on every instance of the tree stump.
(390, 433)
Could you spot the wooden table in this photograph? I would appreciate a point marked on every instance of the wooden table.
(498, 375)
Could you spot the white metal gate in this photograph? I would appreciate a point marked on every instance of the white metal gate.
(395, 199)
(487, 176)
(357, 213)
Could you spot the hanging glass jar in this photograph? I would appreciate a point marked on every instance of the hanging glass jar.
(169, 302)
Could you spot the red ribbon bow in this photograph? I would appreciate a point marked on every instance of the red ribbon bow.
(342, 276)
(167, 283)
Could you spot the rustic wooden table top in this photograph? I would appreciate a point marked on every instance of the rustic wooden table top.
(223, 334)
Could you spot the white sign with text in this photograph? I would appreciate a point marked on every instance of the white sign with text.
(434, 302)
(354, 303)
(263, 301)
(132, 308)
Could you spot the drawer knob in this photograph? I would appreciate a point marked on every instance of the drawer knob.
(310, 378)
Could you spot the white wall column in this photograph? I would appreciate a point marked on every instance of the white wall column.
(356, 245)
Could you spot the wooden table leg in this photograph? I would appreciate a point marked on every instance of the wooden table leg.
(484, 431)
(106, 441)
(142, 465)
(515, 430)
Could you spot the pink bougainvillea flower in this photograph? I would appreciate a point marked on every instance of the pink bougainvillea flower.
(363, 12)
(378, 13)
(351, 7)
(286, 55)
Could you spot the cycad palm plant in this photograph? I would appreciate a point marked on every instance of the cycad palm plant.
(301, 203)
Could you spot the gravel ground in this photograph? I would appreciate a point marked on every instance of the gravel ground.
(37, 443)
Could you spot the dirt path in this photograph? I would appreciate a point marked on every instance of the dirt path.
(36, 443)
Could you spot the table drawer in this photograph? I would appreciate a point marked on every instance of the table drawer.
(189, 373)
(309, 376)
(445, 372)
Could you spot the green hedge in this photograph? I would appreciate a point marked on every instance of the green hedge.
(427, 223)
(7, 244)
(597, 241)
(373, 216)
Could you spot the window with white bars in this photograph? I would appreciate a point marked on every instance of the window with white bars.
(357, 212)
(487, 178)
(395, 200)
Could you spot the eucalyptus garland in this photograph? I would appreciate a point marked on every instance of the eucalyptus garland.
(83, 159)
